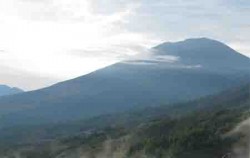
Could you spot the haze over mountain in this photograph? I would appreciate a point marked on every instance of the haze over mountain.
(175, 72)
(6, 90)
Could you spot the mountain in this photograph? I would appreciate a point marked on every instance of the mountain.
(6, 90)
(174, 72)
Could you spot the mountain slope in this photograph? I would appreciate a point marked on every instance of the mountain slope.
(201, 67)
(6, 90)
(193, 129)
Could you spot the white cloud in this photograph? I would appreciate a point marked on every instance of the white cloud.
(41, 36)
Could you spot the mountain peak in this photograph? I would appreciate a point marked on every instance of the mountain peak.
(203, 51)
(201, 39)
(194, 42)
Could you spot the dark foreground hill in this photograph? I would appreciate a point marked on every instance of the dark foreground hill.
(175, 72)
(6, 90)
(195, 129)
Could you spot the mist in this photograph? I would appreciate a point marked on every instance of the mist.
(241, 149)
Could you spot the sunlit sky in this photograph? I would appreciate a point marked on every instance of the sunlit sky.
(46, 41)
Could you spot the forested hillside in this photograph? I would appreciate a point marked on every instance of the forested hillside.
(195, 129)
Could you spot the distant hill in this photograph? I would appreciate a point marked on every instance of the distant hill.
(175, 72)
(6, 90)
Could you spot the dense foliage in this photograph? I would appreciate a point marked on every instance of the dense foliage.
(189, 130)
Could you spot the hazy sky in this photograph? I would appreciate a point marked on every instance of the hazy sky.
(46, 41)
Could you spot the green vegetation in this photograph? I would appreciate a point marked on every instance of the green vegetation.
(196, 135)
(190, 130)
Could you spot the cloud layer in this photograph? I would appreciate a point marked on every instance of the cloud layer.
(62, 39)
